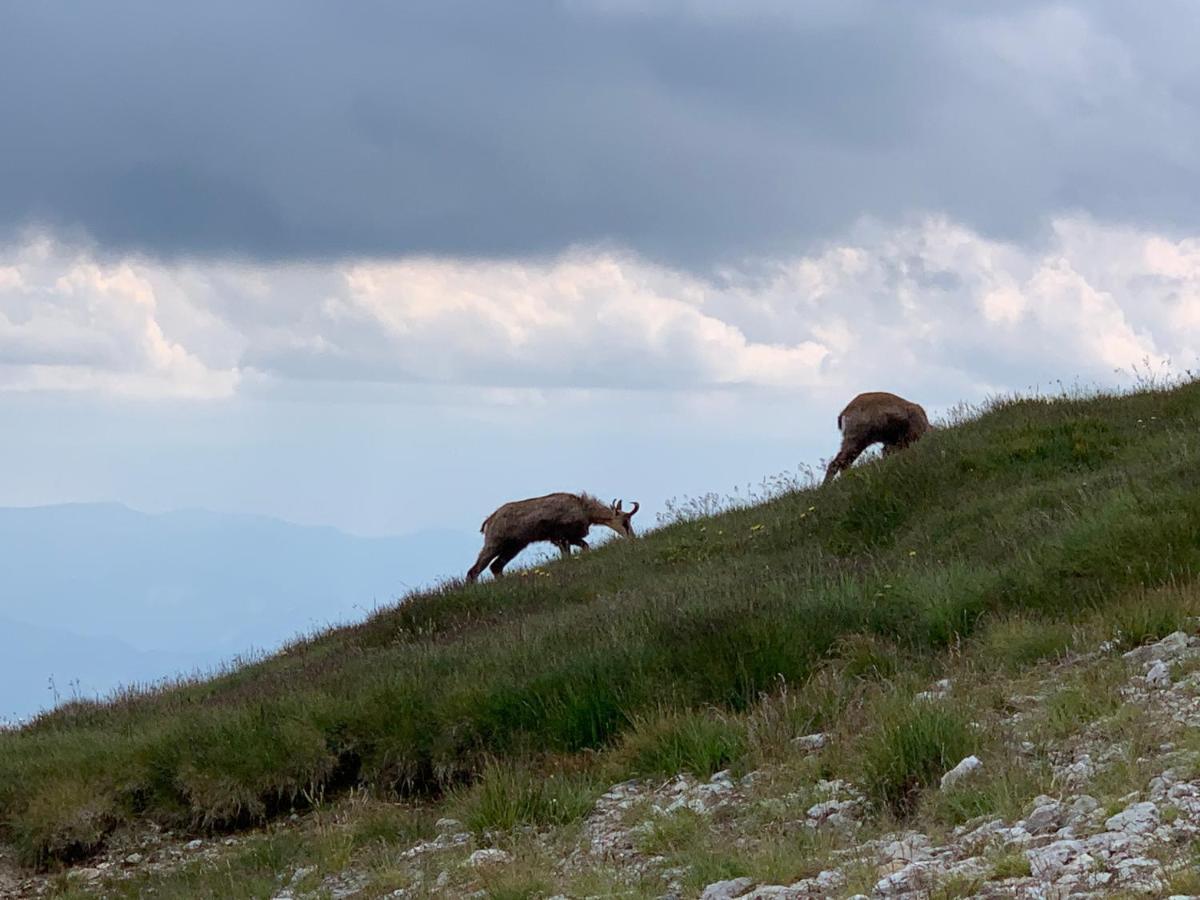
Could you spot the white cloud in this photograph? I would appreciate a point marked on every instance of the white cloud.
(930, 308)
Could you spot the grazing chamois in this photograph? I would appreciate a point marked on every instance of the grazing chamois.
(561, 519)
(874, 418)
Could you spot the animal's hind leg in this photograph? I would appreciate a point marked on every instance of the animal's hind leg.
(851, 450)
(564, 547)
(485, 556)
(503, 558)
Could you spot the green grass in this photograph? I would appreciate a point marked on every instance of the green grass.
(1044, 509)
(909, 746)
(699, 742)
(508, 795)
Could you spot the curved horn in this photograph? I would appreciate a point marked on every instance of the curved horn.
(636, 507)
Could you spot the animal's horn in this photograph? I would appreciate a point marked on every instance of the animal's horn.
(636, 507)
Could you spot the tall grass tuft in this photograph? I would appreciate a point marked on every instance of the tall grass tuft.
(909, 746)
(509, 795)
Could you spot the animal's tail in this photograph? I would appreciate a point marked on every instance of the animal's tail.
(840, 428)
(483, 527)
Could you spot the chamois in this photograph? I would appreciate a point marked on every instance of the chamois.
(562, 519)
(872, 418)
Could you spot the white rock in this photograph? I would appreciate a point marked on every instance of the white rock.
(821, 812)
(910, 848)
(1170, 646)
(1057, 859)
(1047, 816)
(448, 826)
(1139, 818)
(1082, 807)
(1079, 772)
(967, 767)
(193, 845)
(810, 743)
(1159, 675)
(488, 857)
(916, 876)
(727, 890)
(134, 859)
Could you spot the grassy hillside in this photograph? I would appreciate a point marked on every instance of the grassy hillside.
(1048, 510)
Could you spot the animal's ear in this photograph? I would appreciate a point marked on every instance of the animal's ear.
(616, 505)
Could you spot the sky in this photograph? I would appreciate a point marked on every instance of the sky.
(385, 266)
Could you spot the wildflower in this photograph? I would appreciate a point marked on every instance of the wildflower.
(757, 527)
(912, 552)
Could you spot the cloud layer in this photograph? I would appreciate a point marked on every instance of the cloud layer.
(689, 131)
(931, 307)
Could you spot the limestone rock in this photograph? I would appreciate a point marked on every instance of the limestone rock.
(967, 767)
(488, 857)
(727, 890)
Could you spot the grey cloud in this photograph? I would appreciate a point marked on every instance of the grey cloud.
(693, 134)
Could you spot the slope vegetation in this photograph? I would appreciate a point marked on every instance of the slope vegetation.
(1052, 510)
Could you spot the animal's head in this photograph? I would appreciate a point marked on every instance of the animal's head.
(620, 519)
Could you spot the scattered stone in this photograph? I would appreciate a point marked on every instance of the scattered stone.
(488, 857)
(965, 768)
(193, 845)
(1168, 648)
(810, 743)
(916, 876)
(1047, 816)
(1078, 773)
(448, 826)
(134, 859)
(1159, 675)
(727, 890)
(1136, 819)
(1082, 807)
(912, 847)
(1054, 860)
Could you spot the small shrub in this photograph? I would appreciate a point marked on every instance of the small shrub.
(956, 887)
(910, 746)
(390, 824)
(1148, 616)
(867, 657)
(672, 833)
(700, 742)
(1004, 788)
(1017, 642)
(1011, 864)
(508, 795)
(1078, 704)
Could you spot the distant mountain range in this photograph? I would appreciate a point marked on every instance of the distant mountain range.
(98, 595)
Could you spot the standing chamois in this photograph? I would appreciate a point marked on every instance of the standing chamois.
(561, 519)
(873, 418)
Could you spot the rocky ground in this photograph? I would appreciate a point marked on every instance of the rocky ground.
(1120, 817)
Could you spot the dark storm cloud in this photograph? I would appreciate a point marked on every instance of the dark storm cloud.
(696, 132)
